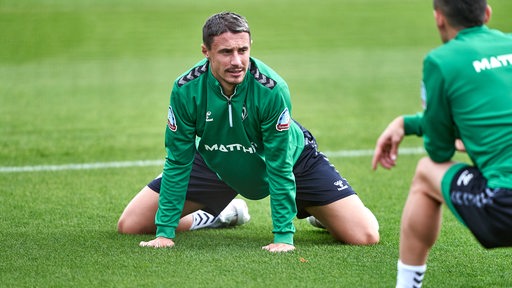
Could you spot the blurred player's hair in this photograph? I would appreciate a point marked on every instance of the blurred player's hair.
(462, 13)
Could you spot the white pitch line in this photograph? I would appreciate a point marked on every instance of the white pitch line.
(85, 166)
(145, 163)
(361, 153)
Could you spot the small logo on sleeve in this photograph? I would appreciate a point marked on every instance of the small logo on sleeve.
(171, 120)
(209, 116)
(283, 123)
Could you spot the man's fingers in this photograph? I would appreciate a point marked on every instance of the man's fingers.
(278, 247)
(376, 158)
(393, 153)
(157, 243)
(384, 154)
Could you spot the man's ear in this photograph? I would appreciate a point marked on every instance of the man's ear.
(440, 19)
(488, 13)
(204, 50)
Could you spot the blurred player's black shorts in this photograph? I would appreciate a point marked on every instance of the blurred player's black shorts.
(485, 211)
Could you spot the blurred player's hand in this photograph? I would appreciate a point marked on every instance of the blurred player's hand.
(278, 247)
(159, 242)
(386, 149)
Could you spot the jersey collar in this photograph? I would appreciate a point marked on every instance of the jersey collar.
(217, 87)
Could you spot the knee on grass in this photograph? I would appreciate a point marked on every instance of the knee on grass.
(124, 226)
(367, 234)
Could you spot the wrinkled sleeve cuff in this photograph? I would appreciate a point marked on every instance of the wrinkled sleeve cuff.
(412, 124)
(166, 232)
(283, 238)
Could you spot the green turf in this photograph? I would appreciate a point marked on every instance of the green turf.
(88, 81)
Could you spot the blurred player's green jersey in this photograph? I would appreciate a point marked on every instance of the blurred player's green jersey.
(468, 94)
(248, 139)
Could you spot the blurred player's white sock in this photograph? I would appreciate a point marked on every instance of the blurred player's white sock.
(201, 220)
(409, 276)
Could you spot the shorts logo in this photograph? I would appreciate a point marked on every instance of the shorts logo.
(171, 120)
(283, 123)
(464, 178)
(341, 185)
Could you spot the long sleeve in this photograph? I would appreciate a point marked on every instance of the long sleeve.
(179, 144)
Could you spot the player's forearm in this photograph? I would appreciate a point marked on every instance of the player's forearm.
(172, 196)
(283, 212)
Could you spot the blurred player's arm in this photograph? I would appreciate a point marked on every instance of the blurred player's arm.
(386, 149)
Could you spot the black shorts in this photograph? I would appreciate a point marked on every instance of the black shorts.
(485, 211)
(318, 182)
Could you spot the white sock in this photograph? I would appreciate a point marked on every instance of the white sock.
(409, 276)
(202, 220)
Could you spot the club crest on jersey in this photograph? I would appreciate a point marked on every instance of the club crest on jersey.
(171, 120)
(283, 123)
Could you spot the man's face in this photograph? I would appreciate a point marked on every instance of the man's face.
(229, 59)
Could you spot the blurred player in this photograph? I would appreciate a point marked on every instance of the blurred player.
(467, 90)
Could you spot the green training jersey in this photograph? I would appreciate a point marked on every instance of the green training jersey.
(248, 139)
(467, 89)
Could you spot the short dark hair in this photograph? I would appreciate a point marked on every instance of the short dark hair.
(221, 23)
(462, 13)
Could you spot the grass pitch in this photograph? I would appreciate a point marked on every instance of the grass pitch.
(88, 82)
